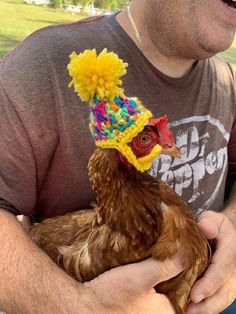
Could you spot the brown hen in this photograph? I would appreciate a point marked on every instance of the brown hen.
(136, 216)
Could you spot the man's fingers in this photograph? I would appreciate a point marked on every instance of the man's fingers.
(222, 264)
(210, 223)
(214, 304)
(149, 273)
(207, 285)
(216, 275)
(129, 284)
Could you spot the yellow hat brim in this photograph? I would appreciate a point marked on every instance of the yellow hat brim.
(121, 143)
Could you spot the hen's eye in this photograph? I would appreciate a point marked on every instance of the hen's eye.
(144, 139)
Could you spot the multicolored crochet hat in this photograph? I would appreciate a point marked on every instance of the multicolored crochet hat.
(114, 118)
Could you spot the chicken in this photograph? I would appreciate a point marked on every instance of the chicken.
(136, 216)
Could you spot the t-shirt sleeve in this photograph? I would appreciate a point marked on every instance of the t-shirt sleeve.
(17, 164)
(5, 205)
(232, 153)
(28, 127)
(232, 146)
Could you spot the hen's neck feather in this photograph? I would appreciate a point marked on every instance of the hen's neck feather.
(127, 200)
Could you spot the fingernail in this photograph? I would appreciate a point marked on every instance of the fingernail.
(198, 298)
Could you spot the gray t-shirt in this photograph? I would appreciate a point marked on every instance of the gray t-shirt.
(45, 142)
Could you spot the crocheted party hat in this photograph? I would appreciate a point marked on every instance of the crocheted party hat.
(114, 118)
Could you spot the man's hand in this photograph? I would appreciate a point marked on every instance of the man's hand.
(129, 289)
(216, 290)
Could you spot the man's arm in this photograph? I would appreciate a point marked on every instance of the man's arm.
(30, 282)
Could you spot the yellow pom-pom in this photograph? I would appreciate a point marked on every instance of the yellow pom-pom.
(96, 75)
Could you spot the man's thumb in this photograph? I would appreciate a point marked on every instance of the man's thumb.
(150, 272)
(210, 223)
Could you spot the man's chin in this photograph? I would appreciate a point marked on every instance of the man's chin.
(213, 48)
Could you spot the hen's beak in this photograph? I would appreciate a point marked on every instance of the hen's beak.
(172, 150)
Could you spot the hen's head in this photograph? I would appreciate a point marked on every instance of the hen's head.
(117, 121)
(155, 133)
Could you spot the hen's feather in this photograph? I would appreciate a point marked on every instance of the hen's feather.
(136, 216)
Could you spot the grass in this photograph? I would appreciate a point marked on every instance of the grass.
(230, 54)
(18, 20)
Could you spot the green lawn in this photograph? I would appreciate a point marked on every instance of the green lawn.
(18, 20)
(230, 54)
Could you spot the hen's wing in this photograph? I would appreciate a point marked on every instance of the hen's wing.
(83, 247)
(59, 231)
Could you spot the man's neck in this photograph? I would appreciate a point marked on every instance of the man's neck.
(172, 66)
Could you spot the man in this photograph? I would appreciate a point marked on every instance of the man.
(45, 149)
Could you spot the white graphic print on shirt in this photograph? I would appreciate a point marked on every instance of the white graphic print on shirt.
(197, 161)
